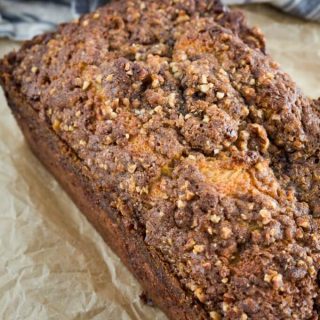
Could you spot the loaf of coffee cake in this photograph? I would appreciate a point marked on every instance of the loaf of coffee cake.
(189, 150)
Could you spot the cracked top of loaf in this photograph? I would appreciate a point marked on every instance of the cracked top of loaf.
(204, 146)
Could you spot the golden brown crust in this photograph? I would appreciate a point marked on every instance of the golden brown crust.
(169, 119)
(144, 263)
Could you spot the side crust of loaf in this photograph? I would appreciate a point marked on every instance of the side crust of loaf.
(143, 262)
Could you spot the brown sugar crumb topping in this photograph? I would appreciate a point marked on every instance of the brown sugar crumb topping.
(204, 146)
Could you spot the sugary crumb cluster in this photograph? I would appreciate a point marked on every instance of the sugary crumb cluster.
(206, 147)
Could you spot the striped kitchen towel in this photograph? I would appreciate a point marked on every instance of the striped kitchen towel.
(22, 19)
(307, 9)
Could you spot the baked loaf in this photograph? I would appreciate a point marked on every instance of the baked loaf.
(190, 151)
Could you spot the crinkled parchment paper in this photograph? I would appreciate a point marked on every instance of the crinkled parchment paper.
(53, 264)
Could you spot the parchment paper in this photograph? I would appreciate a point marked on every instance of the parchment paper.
(53, 264)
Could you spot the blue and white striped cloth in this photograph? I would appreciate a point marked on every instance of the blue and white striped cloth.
(307, 9)
(22, 19)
